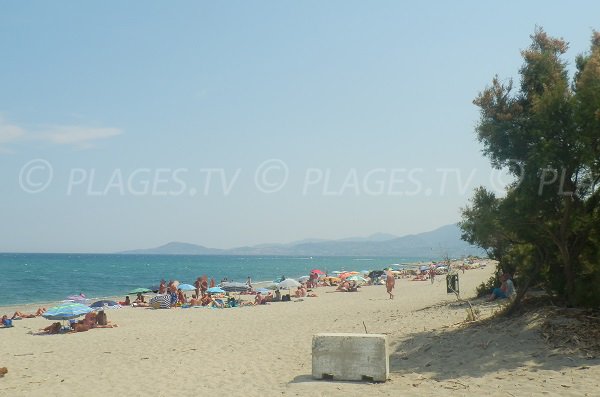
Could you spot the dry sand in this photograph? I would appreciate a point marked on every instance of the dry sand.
(266, 350)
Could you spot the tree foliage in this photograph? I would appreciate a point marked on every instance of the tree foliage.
(547, 135)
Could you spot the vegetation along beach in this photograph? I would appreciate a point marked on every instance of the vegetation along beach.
(300, 198)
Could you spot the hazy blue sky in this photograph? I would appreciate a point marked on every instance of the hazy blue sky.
(141, 108)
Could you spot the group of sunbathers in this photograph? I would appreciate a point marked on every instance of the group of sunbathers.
(91, 320)
(303, 291)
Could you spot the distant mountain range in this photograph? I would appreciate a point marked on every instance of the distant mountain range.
(435, 244)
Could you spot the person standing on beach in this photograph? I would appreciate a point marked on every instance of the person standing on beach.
(390, 283)
(197, 284)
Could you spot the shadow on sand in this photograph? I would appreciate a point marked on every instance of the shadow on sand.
(489, 346)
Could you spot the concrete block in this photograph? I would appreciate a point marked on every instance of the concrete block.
(350, 357)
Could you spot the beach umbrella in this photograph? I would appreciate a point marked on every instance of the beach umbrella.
(105, 304)
(317, 271)
(66, 311)
(215, 290)
(164, 301)
(356, 278)
(235, 287)
(186, 287)
(140, 290)
(347, 274)
(288, 283)
(303, 279)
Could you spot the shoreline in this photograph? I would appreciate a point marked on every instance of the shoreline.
(47, 303)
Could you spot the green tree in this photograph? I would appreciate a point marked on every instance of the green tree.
(547, 135)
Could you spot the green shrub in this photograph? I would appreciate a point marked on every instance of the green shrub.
(484, 289)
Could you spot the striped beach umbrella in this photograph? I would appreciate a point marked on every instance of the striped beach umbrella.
(163, 301)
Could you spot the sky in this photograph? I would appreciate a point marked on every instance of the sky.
(128, 125)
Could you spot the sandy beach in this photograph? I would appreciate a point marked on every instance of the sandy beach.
(266, 350)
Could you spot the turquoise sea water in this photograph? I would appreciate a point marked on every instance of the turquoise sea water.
(30, 278)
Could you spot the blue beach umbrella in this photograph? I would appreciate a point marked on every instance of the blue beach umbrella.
(105, 304)
(66, 311)
(186, 287)
(215, 290)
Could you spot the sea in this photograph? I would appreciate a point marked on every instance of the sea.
(43, 278)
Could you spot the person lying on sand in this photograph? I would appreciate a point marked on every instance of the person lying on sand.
(38, 313)
(19, 315)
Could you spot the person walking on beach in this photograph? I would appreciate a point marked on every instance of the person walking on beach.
(390, 283)
(432, 274)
